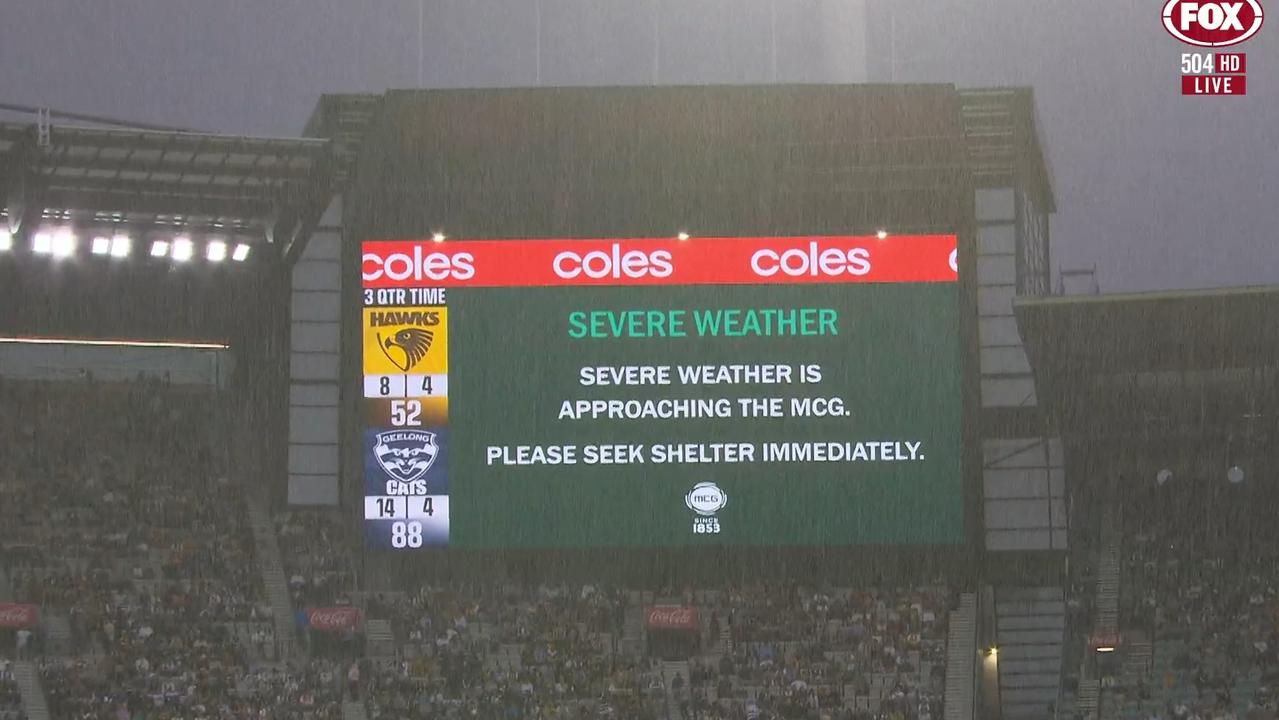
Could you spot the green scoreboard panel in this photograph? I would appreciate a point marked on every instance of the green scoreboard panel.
(658, 392)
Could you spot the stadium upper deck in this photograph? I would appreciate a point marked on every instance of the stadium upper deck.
(1152, 371)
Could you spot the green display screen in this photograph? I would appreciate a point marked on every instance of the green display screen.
(780, 414)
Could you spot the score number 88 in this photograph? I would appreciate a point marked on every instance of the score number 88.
(406, 534)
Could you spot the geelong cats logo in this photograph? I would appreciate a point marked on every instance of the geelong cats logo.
(406, 455)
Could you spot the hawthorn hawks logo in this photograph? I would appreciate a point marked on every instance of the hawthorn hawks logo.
(407, 347)
(405, 336)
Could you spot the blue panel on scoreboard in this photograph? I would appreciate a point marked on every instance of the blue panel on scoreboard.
(406, 461)
(407, 535)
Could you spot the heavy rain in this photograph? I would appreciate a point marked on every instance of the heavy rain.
(649, 360)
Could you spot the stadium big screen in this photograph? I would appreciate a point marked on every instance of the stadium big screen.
(754, 391)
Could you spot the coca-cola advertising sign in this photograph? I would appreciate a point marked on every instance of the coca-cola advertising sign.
(18, 615)
(332, 619)
(671, 617)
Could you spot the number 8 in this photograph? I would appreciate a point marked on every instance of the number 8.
(406, 535)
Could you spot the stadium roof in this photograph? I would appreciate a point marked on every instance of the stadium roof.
(1004, 141)
(266, 187)
(1000, 125)
(344, 119)
(1190, 363)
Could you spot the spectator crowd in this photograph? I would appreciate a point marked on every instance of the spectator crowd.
(10, 694)
(317, 556)
(763, 652)
(119, 520)
(1204, 591)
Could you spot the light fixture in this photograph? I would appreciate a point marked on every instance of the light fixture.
(120, 246)
(6, 241)
(438, 237)
(63, 243)
(241, 252)
(42, 243)
(881, 234)
(182, 249)
(216, 252)
(159, 248)
(1105, 648)
(992, 652)
(101, 245)
(1234, 474)
(682, 236)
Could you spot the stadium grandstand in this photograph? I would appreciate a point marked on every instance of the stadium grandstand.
(1164, 402)
(182, 506)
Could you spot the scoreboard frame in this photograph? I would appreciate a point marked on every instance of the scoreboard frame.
(389, 519)
(404, 364)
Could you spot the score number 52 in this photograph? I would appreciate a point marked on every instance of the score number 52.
(406, 413)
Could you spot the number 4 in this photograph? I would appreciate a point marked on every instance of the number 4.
(428, 506)
(1197, 63)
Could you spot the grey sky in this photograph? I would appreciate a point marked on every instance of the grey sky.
(1159, 190)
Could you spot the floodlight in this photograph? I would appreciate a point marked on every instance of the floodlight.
(216, 252)
(101, 245)
(159, 248)
(42, 243)
(63, 243)
(241, 253)
(182, 249)
(120, 246)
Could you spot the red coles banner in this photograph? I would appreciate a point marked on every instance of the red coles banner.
(334, 618)
(18, 615)
(660, 261)
(670, 617)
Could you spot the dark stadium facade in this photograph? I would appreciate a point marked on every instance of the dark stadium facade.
(767, 160)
